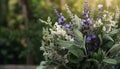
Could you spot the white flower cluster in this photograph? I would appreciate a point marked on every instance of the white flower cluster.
(109, 20)
(100, 6)
(60, 32)
(98, 23)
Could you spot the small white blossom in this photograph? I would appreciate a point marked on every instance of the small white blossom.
(100, 6)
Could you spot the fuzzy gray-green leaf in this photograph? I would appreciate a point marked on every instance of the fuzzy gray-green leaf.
(65, 43)
(115, 48)
(76, 51)
(106, 36)
(112, 33)
(110, 61)
(78, 35)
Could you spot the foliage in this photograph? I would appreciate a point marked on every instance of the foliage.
(16, 42)
(83, 43)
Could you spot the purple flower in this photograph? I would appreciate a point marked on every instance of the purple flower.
(94, 36)
(61, 19)
(89, 21)
(85, 27)
(85, 14)
(67, 25)
(88, 39)
(83, 22)
(113, 67)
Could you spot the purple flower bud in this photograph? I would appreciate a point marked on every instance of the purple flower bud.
(83, 22)
(89, 21)
(113, 67)
(85, 27)
(61, 20)
(67, 25)
(88, 39)
(94, 36)
(85, 14)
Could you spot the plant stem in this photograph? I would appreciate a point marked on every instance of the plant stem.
(99, 66)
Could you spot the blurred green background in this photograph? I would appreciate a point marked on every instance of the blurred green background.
(21, 31)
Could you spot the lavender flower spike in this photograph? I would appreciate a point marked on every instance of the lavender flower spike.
(61, 18)
(89, 21)
(67, 25)
(56, 12)
(86, 7)
(88, 39)
(85, 12)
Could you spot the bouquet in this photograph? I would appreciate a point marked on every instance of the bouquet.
(82, 43)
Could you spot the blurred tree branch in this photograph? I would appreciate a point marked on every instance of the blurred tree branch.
(27, 15)
(3, 12)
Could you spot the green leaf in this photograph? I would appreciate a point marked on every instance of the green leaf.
(112, 33)
(106, 36)
(77, 21)
(114, 48)
(78, 35)
(73, 59)
(99, 56)
(66, 44)
(76, 51)
(94, 60)
(118, 59)
(100, 37)
(108, 45)
(110, 61)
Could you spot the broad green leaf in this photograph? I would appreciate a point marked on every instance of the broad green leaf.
(65, 43)
(106, 36)
(108, 45)
(95, 55)
(78, 35)
(118, 59)
(73, 59)
(94, 60)
(99, 56)
(110, 61)
(115, 48)
(77, 21)
(112, 33)
(76, 51)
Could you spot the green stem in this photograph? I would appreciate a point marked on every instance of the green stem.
(99, 66)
